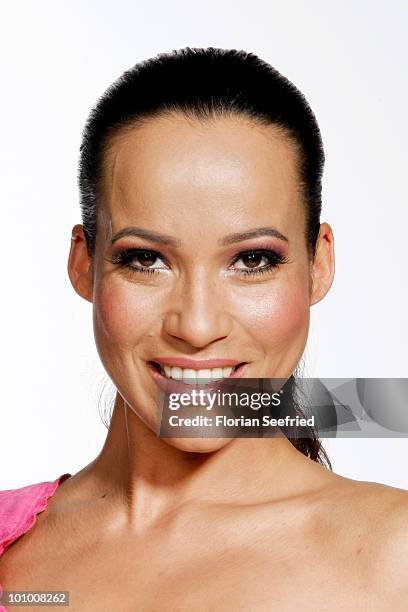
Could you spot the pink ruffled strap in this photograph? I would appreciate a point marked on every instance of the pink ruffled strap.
(19, 509)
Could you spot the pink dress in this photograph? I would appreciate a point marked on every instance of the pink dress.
(19, 509)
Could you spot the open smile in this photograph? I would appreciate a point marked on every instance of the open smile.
(202, 372)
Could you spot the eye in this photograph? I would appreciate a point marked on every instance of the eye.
(252, 260)
(140, 260)
(257, 261)
(147, 259)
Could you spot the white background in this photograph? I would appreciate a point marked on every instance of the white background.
(348, 58)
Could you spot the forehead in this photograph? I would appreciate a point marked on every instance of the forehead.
(176, 172)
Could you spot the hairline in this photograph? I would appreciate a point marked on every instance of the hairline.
(121, 130)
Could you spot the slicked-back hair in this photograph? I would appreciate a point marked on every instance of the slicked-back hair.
(202, 83)
(206, 84)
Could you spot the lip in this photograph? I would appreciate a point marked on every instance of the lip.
(170, 385)
(194, 364)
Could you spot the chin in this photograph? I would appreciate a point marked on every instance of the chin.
(197, 445)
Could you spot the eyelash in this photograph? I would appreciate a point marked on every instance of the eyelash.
(274, 258)
(123, 259)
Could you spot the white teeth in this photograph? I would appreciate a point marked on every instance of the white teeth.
(217, 373)
(189, 376)
(192, 377)
(203, 373)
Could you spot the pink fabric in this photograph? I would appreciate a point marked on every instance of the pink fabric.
(19, 509)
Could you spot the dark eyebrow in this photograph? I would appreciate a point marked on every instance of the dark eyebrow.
(138, 232)
(255, 233)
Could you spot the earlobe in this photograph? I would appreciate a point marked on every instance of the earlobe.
(80, 270)
(322, 272)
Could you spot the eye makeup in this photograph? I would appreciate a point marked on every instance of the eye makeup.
(251, 262)
(253, 258)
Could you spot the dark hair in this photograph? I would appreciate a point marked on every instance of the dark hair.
(205, 83)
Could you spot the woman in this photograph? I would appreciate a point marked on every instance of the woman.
(202, 251)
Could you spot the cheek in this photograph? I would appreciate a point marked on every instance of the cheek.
(287, 322)
(121, 315)
(278, 316)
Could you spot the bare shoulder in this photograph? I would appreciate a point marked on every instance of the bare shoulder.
(373, 496)
(345, 541)
(386, 507)
(375, 517)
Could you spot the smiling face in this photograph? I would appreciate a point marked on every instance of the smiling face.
(200, 255)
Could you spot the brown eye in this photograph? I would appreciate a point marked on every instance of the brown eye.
(146, 258)
(140, 260)
(257, 262)
(252, 260)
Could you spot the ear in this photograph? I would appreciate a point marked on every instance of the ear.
(80, 268)
(322, 267)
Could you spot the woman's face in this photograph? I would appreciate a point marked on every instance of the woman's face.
(201, 255)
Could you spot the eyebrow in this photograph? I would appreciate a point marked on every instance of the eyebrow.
(170, 241)
(147, 235)
(255, 233)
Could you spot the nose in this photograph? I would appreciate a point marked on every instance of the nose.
(197, 312)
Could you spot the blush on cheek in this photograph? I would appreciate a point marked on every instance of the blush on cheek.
(280, 324)
(292, 315)
(283, 319)
(118, 316)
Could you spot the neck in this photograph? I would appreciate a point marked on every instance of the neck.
(152, 478)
